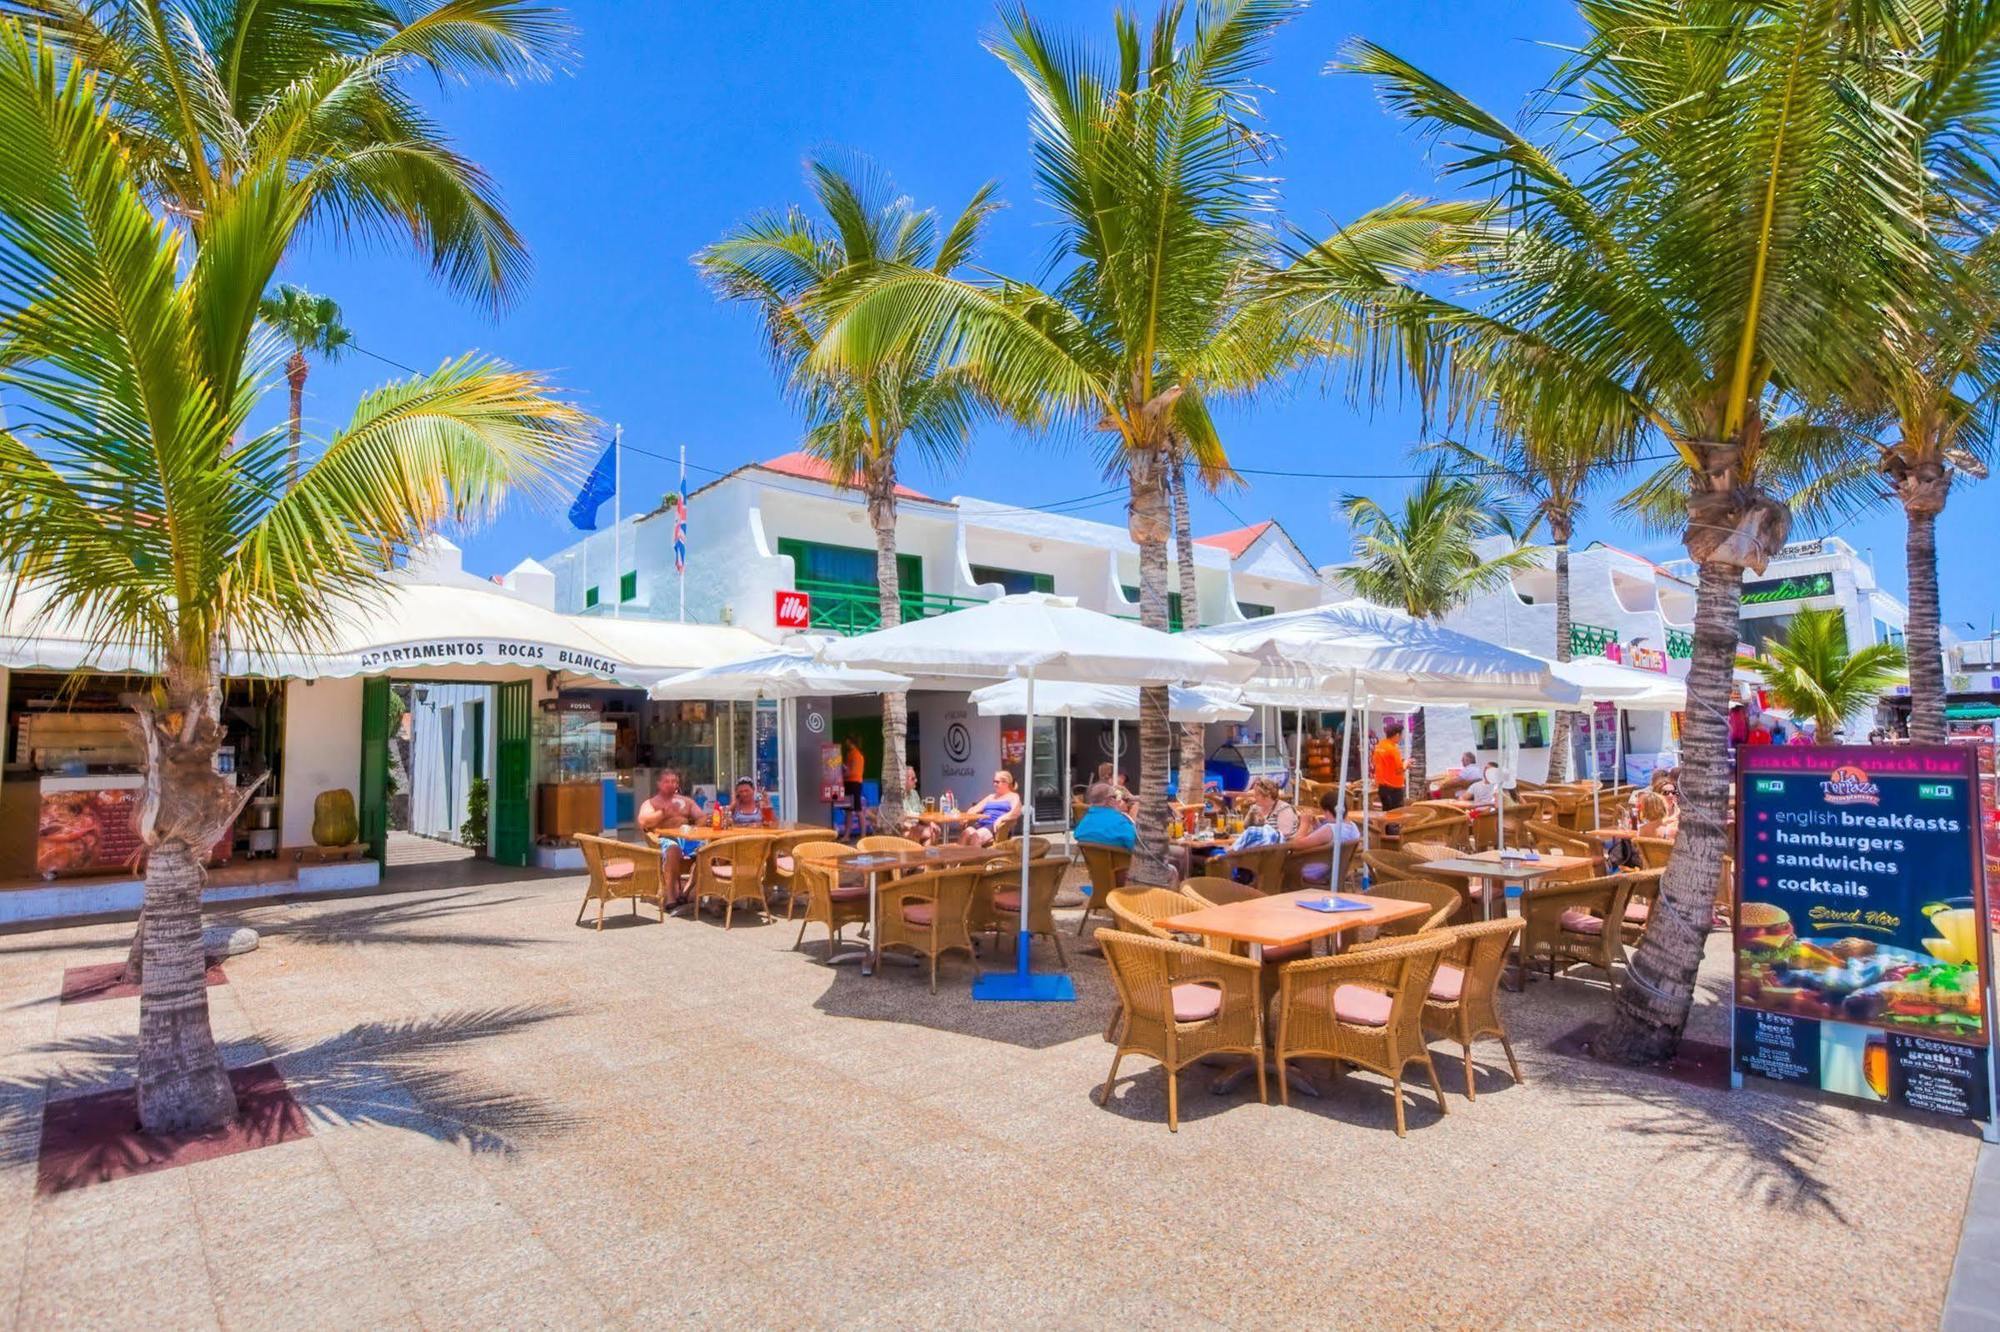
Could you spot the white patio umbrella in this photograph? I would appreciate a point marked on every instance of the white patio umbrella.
(1599, 680)
(785, 675)
(1035, 637)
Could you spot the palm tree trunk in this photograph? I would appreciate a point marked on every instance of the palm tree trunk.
(889, 602)
(1416, 781)
(1149, 524)
(1194, 740)
(1920, 638)
(1653, 1003)
(295, 379)
(1559, 733)
(187, 805)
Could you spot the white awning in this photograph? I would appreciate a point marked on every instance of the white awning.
(1106, 702)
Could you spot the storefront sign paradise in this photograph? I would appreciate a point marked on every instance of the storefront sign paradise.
(1760, 592)
(1862, 966)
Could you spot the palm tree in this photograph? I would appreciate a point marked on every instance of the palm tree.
(136, 494)
(785, 265)
(310, 324)
(1725, 216)
(1182, 474)
(1810, 672)
(204, 94)
(1549, 472)
(1424, 559)
(1151, 162)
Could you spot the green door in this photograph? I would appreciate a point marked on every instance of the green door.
(374, 803)
(513, 833)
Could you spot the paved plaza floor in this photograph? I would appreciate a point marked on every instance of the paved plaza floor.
(517, 1122)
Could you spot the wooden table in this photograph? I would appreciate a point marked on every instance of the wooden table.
(1278, 921)
(704, 832)
(1492, 870)
(874, 864)
(1609, 834)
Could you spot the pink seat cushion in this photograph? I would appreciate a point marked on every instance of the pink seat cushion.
(1196, 1003)
(1637, 912)
(722, 869)
(1288, 952)
(618, 870)
(1008, 899)
(1448, 984)
(1361, 1006)
(1582, 922)
(850, 893)
(919, 913)
(784, 864)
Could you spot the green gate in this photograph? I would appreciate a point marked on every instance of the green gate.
(513, 831)
(374, 802)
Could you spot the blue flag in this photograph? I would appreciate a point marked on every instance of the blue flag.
(598, 487)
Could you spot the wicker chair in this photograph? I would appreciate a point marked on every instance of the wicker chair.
(1561, 841)
(619, 869)
(999, 892)
(1363, 1008)
(1462, 999)
(731, 869)
(928, 914)
(1653, 851)
(1107, 866)
(828, 902)
(1572, 924)
(884, 843)
(1266, 865)
(1445, 902)
(1639, 903)
(784, 865)
(1482, 821)
(1181, 1004)
(1137, 910)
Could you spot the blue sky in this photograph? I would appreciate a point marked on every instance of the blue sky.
(681, 118)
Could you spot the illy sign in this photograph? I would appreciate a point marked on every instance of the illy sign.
(793, 609)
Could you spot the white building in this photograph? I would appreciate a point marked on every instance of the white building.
(1822, 574)
(772, 530)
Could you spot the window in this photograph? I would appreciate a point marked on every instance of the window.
(1173, 604)
(1255, 610)
(589, 597)
(1013, 580)
(848, 566)
(628, 586)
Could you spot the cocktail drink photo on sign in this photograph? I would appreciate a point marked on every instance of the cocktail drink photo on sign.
(1862, 965)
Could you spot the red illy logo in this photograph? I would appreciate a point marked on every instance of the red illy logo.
(1850, 786)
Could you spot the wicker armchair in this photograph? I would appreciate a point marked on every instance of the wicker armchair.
(816, 876)
(1482, 821)
(1653, 851)
(1137, 910)
(619, 869)
(1297, 858)
(1363, 1008)
(731, 870)
(1107, 866)
(784, 865)
(1399, 866)
(1643, 897)
(1461, 1003)
(1266, 865)
(1445, 902)
(1572, 924)
(1181, 1004)
(928, 914)
(999, 892)
(884, 843)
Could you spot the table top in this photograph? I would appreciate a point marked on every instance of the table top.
(1609, 833)
(945, 816)
(1203, 843)
(702, 832)
(930, 857)
(1278, 921)
(1489, 865)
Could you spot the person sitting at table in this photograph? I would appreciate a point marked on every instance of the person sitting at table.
(666, 809)
(1656, 818)
(914, 827)
(746, 806)
(1120, 796)
(1103, 823)
(1483, 790)
(1269, 809)
(1331, 827)
(988, 812)
(1464, 775)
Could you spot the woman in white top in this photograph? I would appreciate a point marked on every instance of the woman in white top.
(1488, 783)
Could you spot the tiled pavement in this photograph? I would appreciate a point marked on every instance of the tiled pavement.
(518, 1122)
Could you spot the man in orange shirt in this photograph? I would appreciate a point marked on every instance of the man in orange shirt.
(1387, 765)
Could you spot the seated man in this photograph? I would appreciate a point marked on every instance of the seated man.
(913, 827)
(990, 810)
(1465, 774)
(661, 812)
(1103, 823)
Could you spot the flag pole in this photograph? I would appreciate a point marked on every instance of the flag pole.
(680, 570)
(617, 522)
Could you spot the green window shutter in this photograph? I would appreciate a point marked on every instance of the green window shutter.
(510, 799)
(374, 802)
(589, 597)
(1173, 605)
(1254, 610)
(1013, 580)
(628, 586)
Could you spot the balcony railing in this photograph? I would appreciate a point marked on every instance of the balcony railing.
(856, 608)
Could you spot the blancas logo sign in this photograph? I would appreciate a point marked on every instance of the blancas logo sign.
(794, 610)
(1850, 786)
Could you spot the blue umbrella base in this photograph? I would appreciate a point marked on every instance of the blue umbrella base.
(1025, 987)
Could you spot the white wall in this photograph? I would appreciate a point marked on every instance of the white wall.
(322, 750)
(441, 770)
(970, 776)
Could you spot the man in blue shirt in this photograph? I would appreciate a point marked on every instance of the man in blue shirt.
(1104, 824)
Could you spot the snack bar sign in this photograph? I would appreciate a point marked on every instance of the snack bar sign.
(1862, 963)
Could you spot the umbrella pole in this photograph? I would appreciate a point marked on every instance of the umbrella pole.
(1021, 983)
(1596, 786)
(1367, 766)
(1068, 763)
(1340, 815)
(1298, 750)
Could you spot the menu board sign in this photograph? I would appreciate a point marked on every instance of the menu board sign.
(1861, 963)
